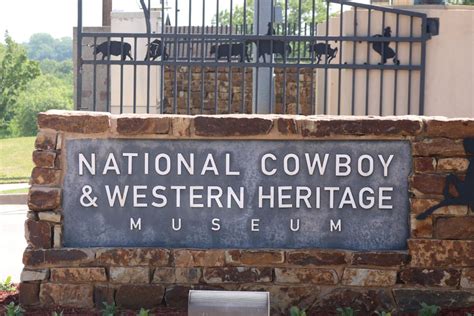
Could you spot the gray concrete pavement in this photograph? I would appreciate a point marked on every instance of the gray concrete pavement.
(13, 186)
(12, 240)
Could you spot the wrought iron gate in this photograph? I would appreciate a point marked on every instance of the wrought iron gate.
(331, 57)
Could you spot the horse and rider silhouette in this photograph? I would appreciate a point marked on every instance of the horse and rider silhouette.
(465, 189)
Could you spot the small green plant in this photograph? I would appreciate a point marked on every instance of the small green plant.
(295, 311)
(61, 313)
(143, 312)
(346, 311)
(14, 310)
(428, 310)
(7, 285)
(109, 309)
(382, 313)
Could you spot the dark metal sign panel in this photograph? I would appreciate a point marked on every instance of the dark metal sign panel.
(237, 194)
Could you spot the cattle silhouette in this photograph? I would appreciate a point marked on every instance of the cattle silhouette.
(114, 48)
(154, 50)
(228, 50)
(383, 48)
(465, 189)
(323, 49)
(268, 47)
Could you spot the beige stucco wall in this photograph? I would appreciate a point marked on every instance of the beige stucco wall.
(134, 22)
(449, 65)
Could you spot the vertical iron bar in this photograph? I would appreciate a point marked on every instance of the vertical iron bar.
(121, 77)
(190, 31)
(367, 74)
(424, 35)
(272, 60)
(148, 77)
(298, 99)
(95, 79)
(242, 93)
(313, 32)
(216, 91)
(395, 90)
(382, 67)
(258, 58)
(410, 64)
(175, 87)
(135, 78)
(284, 107)
(79, 56)
(203, 51)
(341, 25)
(354, 48)
(162, 67)
(326, 61)
(230, 63)
(109, 107)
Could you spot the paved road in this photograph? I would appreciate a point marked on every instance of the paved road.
(12, 240)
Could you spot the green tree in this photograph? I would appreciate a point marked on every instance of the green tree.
(59, 69)
(16, 71)
(43, 46)
(293, 13)
(44, 93)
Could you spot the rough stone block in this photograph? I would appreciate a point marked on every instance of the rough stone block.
(232, 125)
(421, 228)
(428, 184)
(282, 297)
(369, 277)
(441, 253)
(364, 300)
(130, 275)
(139, 296)
(44, 159)
(420, 205)
(103, 294)
(133, 257)
(57, 236)
(254, 258)
(424, 164)
(198, 258)
(188, 275)
(78, 275)
(45, 176)
(29, 293)
(380, 259)
(57, 257)
(164, 275)
(360, 126)
(442, 147)
(237, 275)
(315, 257)
(450, 128)
(181, 126)
(467, 278)
(454, 228)
(141, 124)
(430, 277)
(44, 199)
(306, 275)
(453, 164)
(46, 140)
(34, 275)
(50, 217)
(67, 295)
(75, 122)
(38, 234)
(409, 299)
(287, 126)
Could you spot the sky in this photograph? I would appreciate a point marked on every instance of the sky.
(22, 18)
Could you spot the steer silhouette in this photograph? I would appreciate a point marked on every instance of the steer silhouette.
(114, 48)
(465, 189)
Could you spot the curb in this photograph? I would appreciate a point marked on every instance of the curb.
(13, 199)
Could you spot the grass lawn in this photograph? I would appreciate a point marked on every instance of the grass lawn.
(15, 159)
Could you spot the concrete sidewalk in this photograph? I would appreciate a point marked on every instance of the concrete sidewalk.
(12, 240)
(13, 186)
(13, 198)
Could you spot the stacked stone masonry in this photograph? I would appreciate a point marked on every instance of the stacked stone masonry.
(438, 267)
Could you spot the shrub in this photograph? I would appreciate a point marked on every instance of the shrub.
(109, 309)
(14, 310)
(346, 311)
(428, 310)
(7, 285)
(295, 311)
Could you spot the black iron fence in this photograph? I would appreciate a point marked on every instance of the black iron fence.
(331, 57)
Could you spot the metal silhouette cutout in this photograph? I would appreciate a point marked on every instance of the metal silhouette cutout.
(269, 47)
(114, 48)
(323, 49)
(229, 50)
(465, 189)
(383, 48)
(154, 51)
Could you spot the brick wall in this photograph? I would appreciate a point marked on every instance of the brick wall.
(438, 267)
